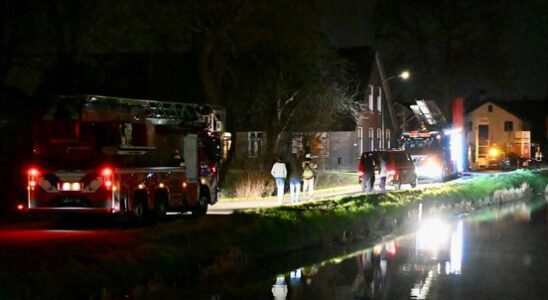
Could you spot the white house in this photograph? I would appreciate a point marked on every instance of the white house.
(492, 132)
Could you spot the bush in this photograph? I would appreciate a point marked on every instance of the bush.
(254, 184)
(328, 179)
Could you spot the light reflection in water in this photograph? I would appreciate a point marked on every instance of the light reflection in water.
(295, 276)
(456, 250)
(420, 290)
(378, 272)
(434, 238)
(373, 264)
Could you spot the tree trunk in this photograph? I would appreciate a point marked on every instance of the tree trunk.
(210, 66)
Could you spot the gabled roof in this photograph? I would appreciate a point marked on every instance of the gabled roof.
(528, 110)
(475, 107)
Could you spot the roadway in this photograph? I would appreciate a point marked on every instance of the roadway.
(25, 232)
(228, 207)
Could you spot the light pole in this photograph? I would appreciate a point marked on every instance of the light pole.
(403, 75)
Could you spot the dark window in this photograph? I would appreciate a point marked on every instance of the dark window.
(470, 126)
(490, 108)
(508, 126)
(255, 143)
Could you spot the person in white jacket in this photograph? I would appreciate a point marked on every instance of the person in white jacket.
(279, 172)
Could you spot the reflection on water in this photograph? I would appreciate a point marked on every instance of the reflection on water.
(279, 289)
(407, 266)
(433, 254)
(455, 263)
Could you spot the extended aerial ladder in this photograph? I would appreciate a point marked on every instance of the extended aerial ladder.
(428, 115)
(208, 117)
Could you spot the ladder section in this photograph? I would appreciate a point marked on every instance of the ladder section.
(165, 112)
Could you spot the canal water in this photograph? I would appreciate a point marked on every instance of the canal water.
(496, 254)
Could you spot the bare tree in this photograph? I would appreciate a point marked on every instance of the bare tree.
(288, 78)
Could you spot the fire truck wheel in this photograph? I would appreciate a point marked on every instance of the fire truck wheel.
(201, 206)
(414, 184)
(160, 206)
(139, 208)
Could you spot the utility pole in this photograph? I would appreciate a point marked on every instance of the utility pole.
(388, 97)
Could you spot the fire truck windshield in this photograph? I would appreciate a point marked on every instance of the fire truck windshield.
(419, 144)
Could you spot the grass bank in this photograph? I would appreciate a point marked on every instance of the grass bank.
(184, 251)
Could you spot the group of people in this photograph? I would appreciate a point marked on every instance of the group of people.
(366, 171)
(296, 172)
(303, 172)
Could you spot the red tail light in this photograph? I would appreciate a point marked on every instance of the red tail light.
(106, 172)
(107, 177)
(33, 174)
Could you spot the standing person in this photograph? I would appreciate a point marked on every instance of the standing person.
(538, 158)
(308, 175)
(372, 179)
(367, 168)
(382, 171)
(295, 173)
(279, 172)
(178, 159)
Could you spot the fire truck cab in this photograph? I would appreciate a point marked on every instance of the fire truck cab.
(431, 152)
(434, 146)
(140, 158)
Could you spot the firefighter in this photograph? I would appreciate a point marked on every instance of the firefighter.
(178, 159)
(126, 134)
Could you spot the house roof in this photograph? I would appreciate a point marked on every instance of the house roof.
(528, 110)
(471, 109)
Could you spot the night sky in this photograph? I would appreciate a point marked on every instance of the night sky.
(522, 70)
(510, 46)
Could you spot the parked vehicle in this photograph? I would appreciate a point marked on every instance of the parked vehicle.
(512, 161)
(118, 156)
(400, 168)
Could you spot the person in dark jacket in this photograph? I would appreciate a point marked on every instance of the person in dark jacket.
(366, 168)
(295, 173)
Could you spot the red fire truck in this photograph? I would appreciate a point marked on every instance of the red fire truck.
(138, 158)
(436, 148)
(431, 152)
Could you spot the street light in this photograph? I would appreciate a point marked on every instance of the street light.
(403, 75)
